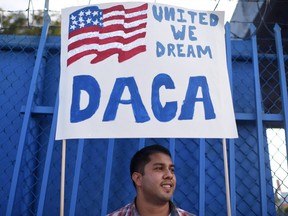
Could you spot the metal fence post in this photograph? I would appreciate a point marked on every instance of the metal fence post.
(202, 180)
(282, 77)
(259, 121)
(73, 201)
(27, 113)
(48, 160)
(107, 177)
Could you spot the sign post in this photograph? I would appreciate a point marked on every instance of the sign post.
(63, 166)
(226, 169)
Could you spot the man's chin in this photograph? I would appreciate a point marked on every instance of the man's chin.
(167, 197)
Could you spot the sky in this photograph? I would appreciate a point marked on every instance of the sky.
(56, 5)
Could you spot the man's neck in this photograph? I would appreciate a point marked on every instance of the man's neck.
(149, 209)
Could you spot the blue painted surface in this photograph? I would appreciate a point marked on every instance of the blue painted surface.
(97, 173)
(283, 82)
(27, 117)
(259, 120)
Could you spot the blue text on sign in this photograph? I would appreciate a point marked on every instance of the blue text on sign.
(162, 113)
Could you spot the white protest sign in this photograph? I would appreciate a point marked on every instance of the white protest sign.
(131, 70)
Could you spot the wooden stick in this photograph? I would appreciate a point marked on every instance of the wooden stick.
(63, 177)
(227, 185)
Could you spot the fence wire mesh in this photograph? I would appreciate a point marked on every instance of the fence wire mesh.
(18, 53)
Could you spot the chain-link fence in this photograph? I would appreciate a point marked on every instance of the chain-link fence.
(258, 164)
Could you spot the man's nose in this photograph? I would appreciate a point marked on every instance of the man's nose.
(168, 174)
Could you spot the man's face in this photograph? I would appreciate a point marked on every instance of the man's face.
(158, 182)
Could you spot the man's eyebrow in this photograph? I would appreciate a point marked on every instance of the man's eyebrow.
(162, 164)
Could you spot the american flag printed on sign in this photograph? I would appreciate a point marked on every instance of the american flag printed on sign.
(105, 32)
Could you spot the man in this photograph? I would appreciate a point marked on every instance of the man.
(152, 173)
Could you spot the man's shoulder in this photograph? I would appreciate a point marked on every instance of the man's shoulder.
(126, 210)
(182, 212)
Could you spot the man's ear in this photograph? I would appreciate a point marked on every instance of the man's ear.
(137, 178)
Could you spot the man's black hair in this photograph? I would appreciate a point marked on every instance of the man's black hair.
(142, 157)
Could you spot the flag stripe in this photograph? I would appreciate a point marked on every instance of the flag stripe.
(127, 10)
(124, 19)
(109, 40)
(123, 54)
(119, 30)
(77, 32)
(103, 47)
(125, 25)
